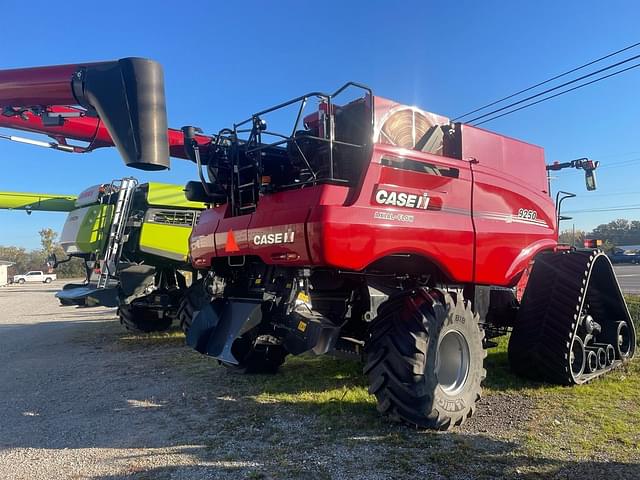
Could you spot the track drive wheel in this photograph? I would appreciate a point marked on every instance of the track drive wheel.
(424, 359)
(143, 320)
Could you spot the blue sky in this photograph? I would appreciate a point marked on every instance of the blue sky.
(225, 60)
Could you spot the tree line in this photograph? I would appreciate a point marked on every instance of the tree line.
(620, 232)
(25, 260)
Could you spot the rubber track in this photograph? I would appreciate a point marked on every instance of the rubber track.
(560, 287)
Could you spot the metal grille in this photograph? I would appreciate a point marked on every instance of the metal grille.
(185, 218)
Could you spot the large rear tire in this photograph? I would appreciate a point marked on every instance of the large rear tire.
(143, 320)
(424, 359)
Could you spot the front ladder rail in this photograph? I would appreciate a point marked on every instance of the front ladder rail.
(117, 237)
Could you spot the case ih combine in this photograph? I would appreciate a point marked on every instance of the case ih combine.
(372, 228)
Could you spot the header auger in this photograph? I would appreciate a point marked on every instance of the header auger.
(390, 233)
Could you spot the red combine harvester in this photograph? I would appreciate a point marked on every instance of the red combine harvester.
(387, 232)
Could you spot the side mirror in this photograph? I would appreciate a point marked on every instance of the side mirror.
(590, 179)
(52, 261)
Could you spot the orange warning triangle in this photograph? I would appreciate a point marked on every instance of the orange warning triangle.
(231, 245)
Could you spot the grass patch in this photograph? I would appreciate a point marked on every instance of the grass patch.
(329, 388)
(571, 427)
(172, 337)
(633, 302)
(599, 419)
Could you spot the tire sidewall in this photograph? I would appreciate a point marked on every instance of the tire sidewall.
(461, 320)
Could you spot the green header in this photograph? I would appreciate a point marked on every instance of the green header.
(37, 202)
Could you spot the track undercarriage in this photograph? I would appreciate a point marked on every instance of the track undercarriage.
(573, 324)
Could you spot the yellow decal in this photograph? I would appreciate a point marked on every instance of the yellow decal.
(303, 297)
(302, 326)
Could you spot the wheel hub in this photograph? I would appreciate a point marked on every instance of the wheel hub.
(452, 362)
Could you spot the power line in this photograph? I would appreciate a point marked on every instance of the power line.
(635, 206)
(548, 90)
(551, 96)
(608, 194)
(547, 81)
(620, 163)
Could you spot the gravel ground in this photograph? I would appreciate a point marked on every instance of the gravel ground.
(82, 399)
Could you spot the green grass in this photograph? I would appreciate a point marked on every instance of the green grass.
(581, 427)
(633, 302)
(601, 418)
(581, 421)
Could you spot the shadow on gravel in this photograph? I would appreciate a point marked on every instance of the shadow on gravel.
(94, 385)
(455, 456)
(11, 289)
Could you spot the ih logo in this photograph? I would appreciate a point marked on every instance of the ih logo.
(402, 199)
(277, 238)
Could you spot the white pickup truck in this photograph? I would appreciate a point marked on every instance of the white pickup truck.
(34, 276)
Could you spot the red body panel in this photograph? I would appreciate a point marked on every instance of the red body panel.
(514, 216)
(477, 227)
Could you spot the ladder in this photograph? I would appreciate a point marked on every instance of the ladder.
(117, 238)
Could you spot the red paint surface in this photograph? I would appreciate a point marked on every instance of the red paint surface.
(477, 238)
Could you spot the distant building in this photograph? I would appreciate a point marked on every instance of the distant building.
(3, 272)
